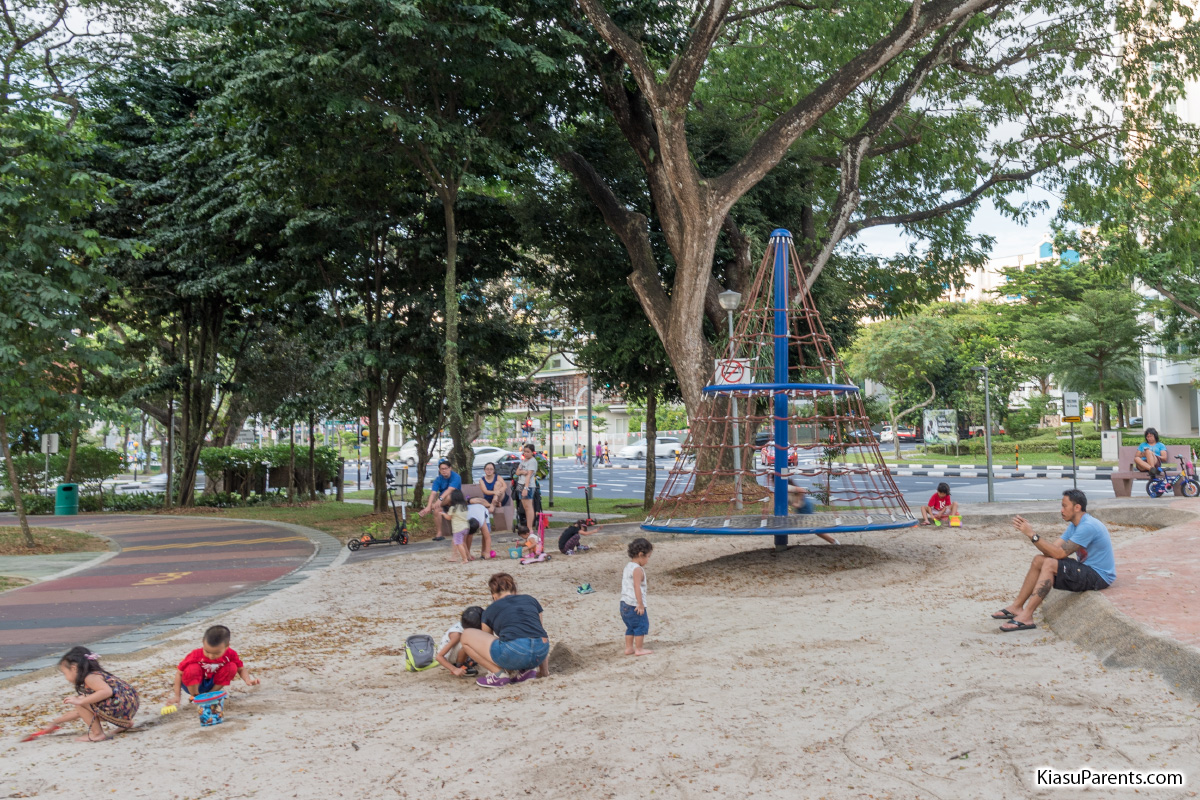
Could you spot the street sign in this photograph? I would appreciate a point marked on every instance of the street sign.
(49, 443)
(730, 371)
(1071, 407)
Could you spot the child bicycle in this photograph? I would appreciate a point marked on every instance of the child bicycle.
(1159, 485)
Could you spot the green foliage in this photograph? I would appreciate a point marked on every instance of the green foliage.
(93, 466)
(1084, 448)
(216, 460)
(667, 417)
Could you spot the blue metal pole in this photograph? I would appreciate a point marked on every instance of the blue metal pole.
(782, 239)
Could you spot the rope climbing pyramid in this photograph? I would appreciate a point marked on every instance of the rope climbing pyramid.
(779, 447)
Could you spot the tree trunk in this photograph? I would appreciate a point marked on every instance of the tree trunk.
(169, 456)
(1105, 422)
(291, 494)
(125, 447)
(651, 438)
(312, 456)
(13, 484)
(460, 454)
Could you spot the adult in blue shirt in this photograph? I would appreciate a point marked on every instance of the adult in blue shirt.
(1150, 453)
(447, 481)
(1094, 568)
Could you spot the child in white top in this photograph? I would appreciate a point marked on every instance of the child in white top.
(450, 654)
(460, 525)
(532, 546)
(633, 598)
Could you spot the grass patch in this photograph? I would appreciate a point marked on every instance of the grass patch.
(11, 582)
(49, 541)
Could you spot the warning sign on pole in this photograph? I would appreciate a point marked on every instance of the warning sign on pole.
(1071, 407)
(733, 371)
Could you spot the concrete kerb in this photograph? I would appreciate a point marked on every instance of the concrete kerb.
(327, 553)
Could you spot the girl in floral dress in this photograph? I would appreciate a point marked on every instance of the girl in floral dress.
(99, 696)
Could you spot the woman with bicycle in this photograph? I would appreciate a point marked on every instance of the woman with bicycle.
(1150, 454)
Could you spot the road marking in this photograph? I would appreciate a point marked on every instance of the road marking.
(266, 540)
(160, 578)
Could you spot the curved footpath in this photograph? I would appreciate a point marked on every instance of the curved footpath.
(169, 571)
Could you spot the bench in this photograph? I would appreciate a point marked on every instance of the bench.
(1126, 473)
(502, 520)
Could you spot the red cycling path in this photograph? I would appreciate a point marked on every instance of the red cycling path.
(167, 566)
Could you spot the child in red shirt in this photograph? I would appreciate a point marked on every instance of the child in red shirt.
(210, 668)
(940, 507)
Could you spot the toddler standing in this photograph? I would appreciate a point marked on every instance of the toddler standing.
(633, 598)
(460, 524)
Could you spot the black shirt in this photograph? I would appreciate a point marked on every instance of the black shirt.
(515, 617)
(567, 533)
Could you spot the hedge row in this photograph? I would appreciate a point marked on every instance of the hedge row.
(1084, 448)
(40, 504)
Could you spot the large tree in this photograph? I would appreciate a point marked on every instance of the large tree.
(908, 113)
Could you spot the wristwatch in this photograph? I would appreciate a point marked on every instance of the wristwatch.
(1035, 538)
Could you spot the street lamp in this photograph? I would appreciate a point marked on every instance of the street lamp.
(987, 430)
(730, 300)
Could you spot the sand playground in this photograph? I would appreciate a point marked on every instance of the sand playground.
(869, 670)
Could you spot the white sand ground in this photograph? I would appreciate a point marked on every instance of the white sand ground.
(858, 671)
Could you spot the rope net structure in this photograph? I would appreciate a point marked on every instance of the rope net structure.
(779, 447)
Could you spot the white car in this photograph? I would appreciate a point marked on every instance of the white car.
(664, 447)
(887, 434)
(157, 485)
(486, 453)
(408, 451)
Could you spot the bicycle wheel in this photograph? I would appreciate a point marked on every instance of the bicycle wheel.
(1191, 487)
(1154, 488)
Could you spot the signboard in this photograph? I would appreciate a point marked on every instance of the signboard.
(1071, 407)
(732, 371)
(49, 443)
(940, 426)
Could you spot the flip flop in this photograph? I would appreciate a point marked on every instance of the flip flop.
(585, 588)
(1003, 613)
(1018, 626)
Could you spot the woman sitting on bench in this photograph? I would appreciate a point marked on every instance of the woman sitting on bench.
(1150, 454)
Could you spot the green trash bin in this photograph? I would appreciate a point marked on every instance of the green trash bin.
(66, 500)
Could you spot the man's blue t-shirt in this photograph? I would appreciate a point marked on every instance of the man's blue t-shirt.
(441, 484)
(1158, 448)
(1095, 548)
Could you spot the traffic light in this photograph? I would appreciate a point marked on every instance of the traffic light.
(366, 434)
(575, 424)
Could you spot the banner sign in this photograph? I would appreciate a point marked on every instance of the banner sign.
(1071, 407)
(940, 426)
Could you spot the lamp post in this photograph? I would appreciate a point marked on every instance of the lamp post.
(987, 430)
(730, 300)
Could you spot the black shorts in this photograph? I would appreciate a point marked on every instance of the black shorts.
(1073, 576)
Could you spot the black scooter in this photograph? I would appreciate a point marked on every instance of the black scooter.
(399, 533)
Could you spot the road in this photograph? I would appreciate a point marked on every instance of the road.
(168, 565)
(629, 483)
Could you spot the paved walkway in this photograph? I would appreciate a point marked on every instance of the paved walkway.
(1159, 577)
(167, 566)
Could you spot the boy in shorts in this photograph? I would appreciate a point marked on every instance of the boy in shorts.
(211, 667)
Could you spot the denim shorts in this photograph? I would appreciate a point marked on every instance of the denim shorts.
(519, 654)
(635, 624)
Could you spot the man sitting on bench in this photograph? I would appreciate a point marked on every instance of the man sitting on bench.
(1150, 454)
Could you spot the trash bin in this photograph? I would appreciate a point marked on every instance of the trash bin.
(66, 500)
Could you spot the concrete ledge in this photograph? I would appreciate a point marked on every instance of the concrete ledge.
(1092, 622)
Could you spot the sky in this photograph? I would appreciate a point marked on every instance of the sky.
(1012, 238)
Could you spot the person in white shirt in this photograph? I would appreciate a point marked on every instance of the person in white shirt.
(633, 598)
(526, 476)
(450, 654)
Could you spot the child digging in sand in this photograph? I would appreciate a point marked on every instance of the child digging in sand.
(633, 598)
(210, 667)
(451, 655)
(940, 507)
(99, 696)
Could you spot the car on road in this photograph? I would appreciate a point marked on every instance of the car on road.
(887, 434)
(908, 435)
(506, 461)
(664, 447)
(863, 434)
(1135, 422)
(766, 456)
(156, 485)
(408, 451)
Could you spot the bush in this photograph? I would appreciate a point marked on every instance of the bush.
(1130, 441)
(1084, 448)
(978, 446)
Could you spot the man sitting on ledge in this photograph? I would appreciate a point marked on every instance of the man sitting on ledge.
(1085, 536)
